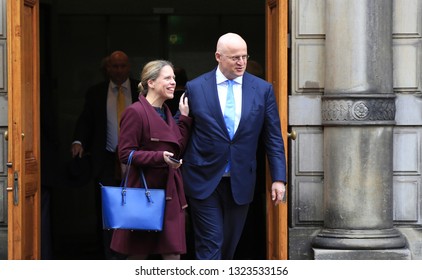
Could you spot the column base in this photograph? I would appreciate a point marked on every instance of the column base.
(344, 239)
(387, 254)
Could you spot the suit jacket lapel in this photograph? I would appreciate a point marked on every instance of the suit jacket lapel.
(248, 92)
(209, 90)
(102, 100)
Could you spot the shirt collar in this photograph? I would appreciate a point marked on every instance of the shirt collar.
(125, 85)
(221, 78)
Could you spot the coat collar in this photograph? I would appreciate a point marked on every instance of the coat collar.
(160, 130)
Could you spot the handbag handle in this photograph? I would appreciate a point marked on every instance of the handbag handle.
(142, 177)
(147, 192)
(129, 162)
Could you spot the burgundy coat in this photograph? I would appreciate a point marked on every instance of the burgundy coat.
(142, 129)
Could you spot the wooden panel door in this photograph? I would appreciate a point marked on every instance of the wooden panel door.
(23, 183)
(276, 69)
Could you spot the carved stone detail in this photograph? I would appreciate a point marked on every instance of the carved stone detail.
(358, 110)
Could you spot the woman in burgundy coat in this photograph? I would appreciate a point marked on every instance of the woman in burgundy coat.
(147, 126)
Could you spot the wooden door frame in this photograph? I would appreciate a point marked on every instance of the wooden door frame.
(276, 15)
(23, 178)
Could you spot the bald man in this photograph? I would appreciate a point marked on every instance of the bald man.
(219, 169)
(96, 131)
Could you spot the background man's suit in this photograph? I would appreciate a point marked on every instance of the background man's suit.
(91, 128)
(91, 131)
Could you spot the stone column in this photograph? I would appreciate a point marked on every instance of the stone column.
(358, 111)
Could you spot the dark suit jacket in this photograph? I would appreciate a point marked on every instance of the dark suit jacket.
(210, 146)
(91, 127)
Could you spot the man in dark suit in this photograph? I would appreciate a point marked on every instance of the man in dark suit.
(219, 169)
(96, 131)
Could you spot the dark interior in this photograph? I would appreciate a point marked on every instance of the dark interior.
(75, 35)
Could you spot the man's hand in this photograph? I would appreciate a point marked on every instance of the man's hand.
(77, 150)
(278, 191)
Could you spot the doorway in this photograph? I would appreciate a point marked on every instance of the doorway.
(75, 37)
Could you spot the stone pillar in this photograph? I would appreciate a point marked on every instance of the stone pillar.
(358, 111)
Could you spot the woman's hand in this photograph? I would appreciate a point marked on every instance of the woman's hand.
(183, 105)
(172, 164)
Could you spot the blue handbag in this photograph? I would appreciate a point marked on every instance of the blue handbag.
(133, 208)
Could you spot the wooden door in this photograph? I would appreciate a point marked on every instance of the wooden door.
(23, 185)
(276, 69)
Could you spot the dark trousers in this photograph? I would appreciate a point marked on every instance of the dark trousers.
(218, 223)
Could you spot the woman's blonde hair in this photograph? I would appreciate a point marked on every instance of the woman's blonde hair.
(151, 71)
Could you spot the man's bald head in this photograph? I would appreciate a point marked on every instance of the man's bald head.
(231, 55)
(229, 40)
(118, 67)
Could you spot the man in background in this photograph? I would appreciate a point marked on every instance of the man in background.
(96, 132)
